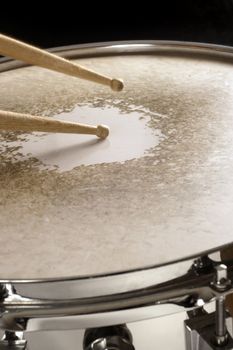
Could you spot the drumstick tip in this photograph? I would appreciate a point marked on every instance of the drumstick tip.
(117, 84)
(102, 131)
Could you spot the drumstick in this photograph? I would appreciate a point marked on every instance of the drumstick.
(33, 55)
(25, 122)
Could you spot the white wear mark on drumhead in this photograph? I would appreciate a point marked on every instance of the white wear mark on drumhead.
(130, 137)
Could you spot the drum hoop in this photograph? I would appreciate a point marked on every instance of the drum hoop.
(115, 298)
(133, 47)
(150, 268)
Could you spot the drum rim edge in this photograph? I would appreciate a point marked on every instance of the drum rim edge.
(114, 48)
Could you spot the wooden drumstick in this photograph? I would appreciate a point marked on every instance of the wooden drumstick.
(16, 121)
(33, 55)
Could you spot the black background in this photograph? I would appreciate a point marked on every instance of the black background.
(72, 23)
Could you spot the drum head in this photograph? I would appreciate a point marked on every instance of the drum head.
(159, 188)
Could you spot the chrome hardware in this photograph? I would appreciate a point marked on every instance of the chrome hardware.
(200, 333)
(221, 335)
(221, 283)
(208, 331)
(105, 338)
(13, 341)
(3, 292)
(118, 298)
(202, 265)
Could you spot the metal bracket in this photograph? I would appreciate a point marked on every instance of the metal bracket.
(200, 333)
(205, 331)
(13, 341)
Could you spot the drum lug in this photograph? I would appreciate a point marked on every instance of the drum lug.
(104, 338)
(205, 331)
(13, 341)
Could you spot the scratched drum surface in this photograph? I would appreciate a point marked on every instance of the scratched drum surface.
(159, 188)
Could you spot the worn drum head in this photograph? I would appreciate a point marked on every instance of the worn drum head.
(159, 188)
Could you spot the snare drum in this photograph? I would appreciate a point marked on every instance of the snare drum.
(94, 233)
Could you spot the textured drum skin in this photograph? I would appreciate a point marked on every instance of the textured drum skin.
(175, 201)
